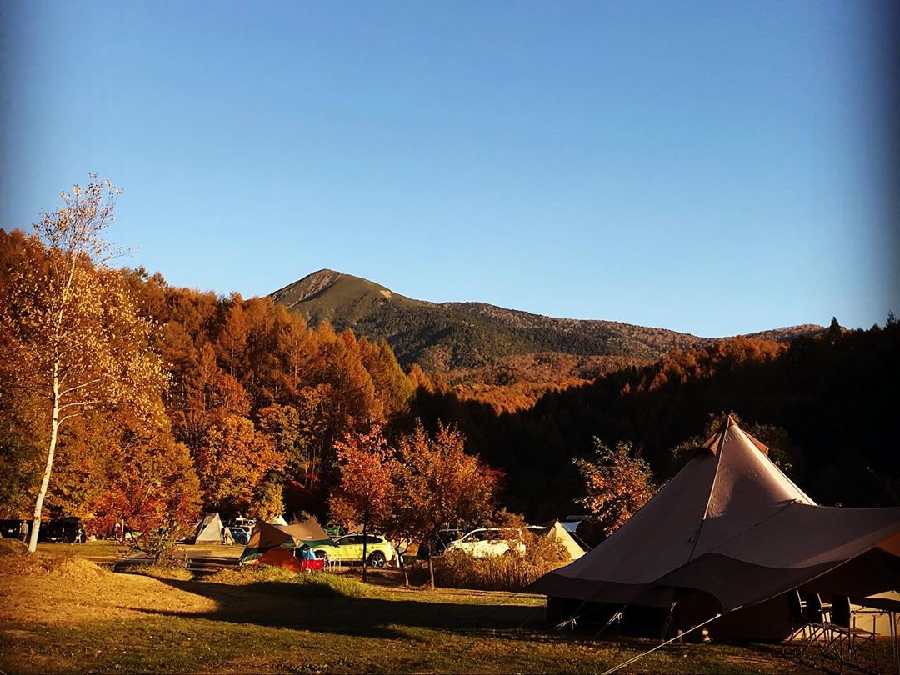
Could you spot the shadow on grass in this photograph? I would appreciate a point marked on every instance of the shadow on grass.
(319, 608)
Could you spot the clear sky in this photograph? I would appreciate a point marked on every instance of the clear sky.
(709, 167)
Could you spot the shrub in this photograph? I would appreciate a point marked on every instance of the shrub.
(322, 583)
(311, 583)
(250, 574)
(163, 571)
(513, 571)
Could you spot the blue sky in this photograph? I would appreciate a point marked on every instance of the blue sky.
(709, 167)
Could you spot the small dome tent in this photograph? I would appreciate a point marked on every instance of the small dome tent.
(266, 537)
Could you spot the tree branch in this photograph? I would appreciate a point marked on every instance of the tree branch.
(80, 386)
(75, 404)
(67, 417)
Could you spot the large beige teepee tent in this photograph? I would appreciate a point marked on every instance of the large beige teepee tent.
(731, 532)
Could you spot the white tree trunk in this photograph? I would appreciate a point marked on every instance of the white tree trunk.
(45, 482)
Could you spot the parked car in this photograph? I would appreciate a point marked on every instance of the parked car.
(439, 544)
(488, 542)
(349, 549)
(14, 528)
(241, 535)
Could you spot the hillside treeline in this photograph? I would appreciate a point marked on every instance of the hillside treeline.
(826, 405)
(250, 410)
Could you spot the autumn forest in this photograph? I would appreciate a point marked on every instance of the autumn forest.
(161, 402)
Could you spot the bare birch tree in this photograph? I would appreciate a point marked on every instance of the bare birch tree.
(72, 333)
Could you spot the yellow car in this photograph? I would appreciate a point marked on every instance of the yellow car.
(349, 549)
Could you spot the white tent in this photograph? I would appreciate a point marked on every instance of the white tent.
(559, 533)
(210, 530)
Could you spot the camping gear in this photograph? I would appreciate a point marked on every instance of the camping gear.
(209, 531)
(280, 557)
(283, 558)
(876, 612)
(731, 532)
(265, 537)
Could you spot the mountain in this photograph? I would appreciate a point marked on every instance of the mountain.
(450, 336)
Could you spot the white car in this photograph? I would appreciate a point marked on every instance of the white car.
(489, 542)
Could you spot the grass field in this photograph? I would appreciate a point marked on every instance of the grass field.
(72, 616)
(108, 551)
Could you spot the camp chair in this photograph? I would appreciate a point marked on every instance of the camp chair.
(840, 611)
(828, 630)
(810, 618)
(799, 620)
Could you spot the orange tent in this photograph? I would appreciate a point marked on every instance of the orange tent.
(283, 558)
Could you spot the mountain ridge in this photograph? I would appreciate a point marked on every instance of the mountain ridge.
(452, 335)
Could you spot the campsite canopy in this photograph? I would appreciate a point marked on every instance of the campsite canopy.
(732, 526)
(305, 531)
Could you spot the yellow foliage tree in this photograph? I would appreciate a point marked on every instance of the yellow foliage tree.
(71, 329)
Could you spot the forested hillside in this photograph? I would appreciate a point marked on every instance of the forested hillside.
(504, 357)
(825, 404)
(444, 336)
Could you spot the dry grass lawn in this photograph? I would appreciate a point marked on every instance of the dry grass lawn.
(110, 551)
(64, 614)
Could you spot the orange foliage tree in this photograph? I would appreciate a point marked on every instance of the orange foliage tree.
(233, 463)
(442, 484)
(617, 485)
(153, 492)
(366, 489)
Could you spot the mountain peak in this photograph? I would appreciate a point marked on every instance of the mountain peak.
(336, 296)
(307, 287)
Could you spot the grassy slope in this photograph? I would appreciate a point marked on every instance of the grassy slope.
(86, 619)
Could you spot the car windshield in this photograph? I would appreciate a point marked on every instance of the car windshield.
(483, 535)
